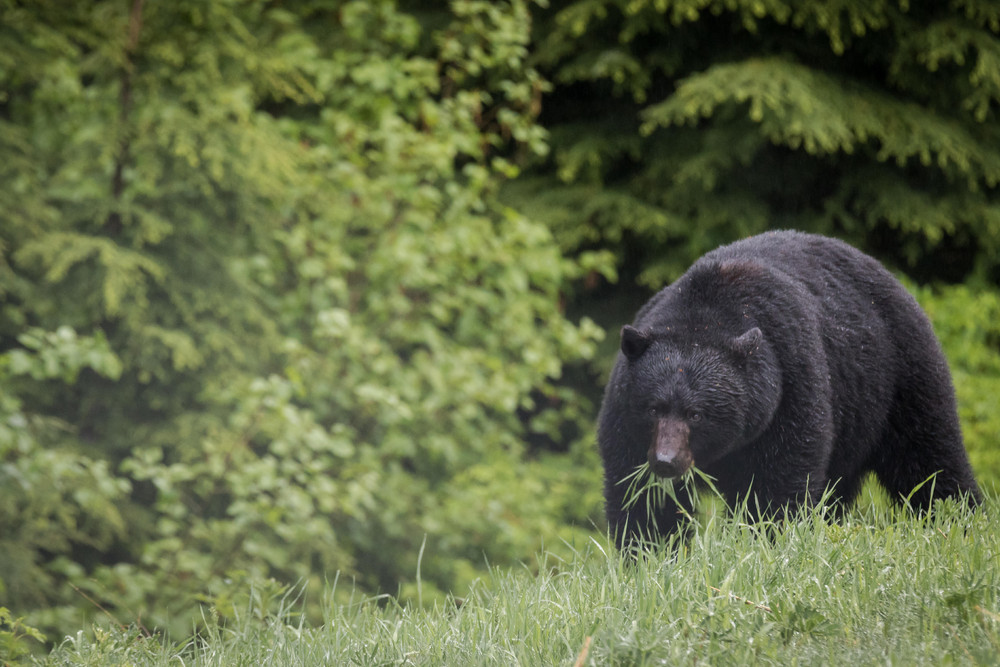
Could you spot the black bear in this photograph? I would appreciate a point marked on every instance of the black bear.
(781, 365)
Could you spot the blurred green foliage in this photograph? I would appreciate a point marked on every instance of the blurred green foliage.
(263, 316)
(967, 321)
(293, 289)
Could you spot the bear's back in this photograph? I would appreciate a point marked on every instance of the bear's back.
(781, 271)
(822, 264)
(861, 310)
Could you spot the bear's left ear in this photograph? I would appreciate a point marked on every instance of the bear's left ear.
(634, 342)
(747, 343)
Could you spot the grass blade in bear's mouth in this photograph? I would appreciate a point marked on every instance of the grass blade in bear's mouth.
(643, 484)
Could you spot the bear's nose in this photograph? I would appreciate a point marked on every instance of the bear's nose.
(667, 465)
(669, 455)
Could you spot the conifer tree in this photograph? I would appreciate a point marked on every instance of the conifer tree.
(679, 125)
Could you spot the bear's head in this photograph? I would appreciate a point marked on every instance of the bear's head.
(699, 400)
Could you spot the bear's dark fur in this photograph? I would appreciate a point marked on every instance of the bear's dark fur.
(780, 365)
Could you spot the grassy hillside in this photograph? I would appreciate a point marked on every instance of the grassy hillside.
(878, 587)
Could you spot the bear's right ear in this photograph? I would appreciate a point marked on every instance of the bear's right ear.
(746, 344)
(634, 342)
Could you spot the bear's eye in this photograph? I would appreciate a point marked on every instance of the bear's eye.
(694, 417)
(652, 412)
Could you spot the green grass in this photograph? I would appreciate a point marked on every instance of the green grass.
(879, 586)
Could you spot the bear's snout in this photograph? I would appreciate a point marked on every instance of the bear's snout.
(669, 455)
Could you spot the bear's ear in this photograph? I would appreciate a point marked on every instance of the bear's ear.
(634, 342)
(747, 343)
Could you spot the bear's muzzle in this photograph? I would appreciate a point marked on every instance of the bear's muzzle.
(669, 455)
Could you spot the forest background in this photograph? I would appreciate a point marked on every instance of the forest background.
(293, 290)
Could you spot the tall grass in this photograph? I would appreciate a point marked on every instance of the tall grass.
(877, 586)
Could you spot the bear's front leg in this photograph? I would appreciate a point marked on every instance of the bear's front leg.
(634, 522)
(773, 492)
